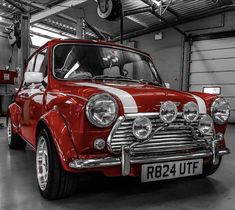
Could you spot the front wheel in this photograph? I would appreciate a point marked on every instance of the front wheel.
(53, 181)
(14, 140)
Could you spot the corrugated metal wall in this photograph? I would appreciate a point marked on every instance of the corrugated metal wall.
(213, 65)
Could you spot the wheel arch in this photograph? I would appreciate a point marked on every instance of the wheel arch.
(14, 112)
(40, 126)
(57, 129)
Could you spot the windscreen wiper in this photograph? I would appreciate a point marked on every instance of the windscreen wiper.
(148, 82)
(123, 78)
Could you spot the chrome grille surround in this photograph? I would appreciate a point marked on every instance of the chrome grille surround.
(175, 138)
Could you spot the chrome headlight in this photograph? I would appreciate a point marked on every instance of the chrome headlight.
(102, 110)
(168, 112)
(190, 112)
(142, 128)
(220, 111)
(206, 124)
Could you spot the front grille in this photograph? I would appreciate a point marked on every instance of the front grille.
(176, 138)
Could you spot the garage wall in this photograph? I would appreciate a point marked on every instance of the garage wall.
(6, 90)
(4, 59)
(6, 53)
(167, 53)
(212, 67)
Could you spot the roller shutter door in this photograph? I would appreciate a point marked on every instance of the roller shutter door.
(212, 67)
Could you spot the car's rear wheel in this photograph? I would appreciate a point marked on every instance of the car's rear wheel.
(53, 181)
(14, 140)
(210, 168)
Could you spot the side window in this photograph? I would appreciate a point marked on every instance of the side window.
(40, 61)
(41, 64)
(44, 65)
(30, 65)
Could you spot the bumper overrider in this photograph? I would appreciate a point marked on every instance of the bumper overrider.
(211, 149)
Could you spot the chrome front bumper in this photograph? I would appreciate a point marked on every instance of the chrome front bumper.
(128, 157)
(126, 160)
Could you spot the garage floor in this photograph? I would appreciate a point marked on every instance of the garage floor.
(18, 189)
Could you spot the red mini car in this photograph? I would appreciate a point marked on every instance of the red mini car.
(89, 106)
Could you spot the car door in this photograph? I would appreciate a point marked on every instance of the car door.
(30, 98)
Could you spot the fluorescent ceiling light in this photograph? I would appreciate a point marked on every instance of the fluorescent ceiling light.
(47, 33)
(158, 3)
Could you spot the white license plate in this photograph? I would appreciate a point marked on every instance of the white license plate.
(171, 170)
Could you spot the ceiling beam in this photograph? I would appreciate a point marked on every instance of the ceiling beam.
(129, 14)
(64, 16)
(198, 16)
(173, 12)
(54, 10)
(136, 11)
(16, 5)
(154, 6)
(137, 21)
(168, 23)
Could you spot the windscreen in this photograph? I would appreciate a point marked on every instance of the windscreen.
(79, 62)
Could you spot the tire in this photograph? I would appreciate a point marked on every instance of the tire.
(210, 168)
(14, 141)
(53, 181)
(114, 11)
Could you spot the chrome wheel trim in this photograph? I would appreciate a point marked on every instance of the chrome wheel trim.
(9, 131)
(42, 163)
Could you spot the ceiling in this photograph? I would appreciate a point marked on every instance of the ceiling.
(60, 16)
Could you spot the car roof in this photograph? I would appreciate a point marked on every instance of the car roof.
(95, 42)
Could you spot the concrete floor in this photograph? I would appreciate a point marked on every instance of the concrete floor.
(18, 189)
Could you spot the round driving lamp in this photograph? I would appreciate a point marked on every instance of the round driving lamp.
(220, 111)
(142, 128)
(168, 112)
(206, 124)
(102, 110)
(190, 112)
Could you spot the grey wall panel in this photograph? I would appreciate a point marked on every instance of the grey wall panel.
(232, 116)
(213, 65)
(213, 78)
(6, 53)
(166, 54)
(213, 44)
(213, 54)
(231, 102)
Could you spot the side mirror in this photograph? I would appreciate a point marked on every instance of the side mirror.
(168, 85)
(33, 77)
(7, 68)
